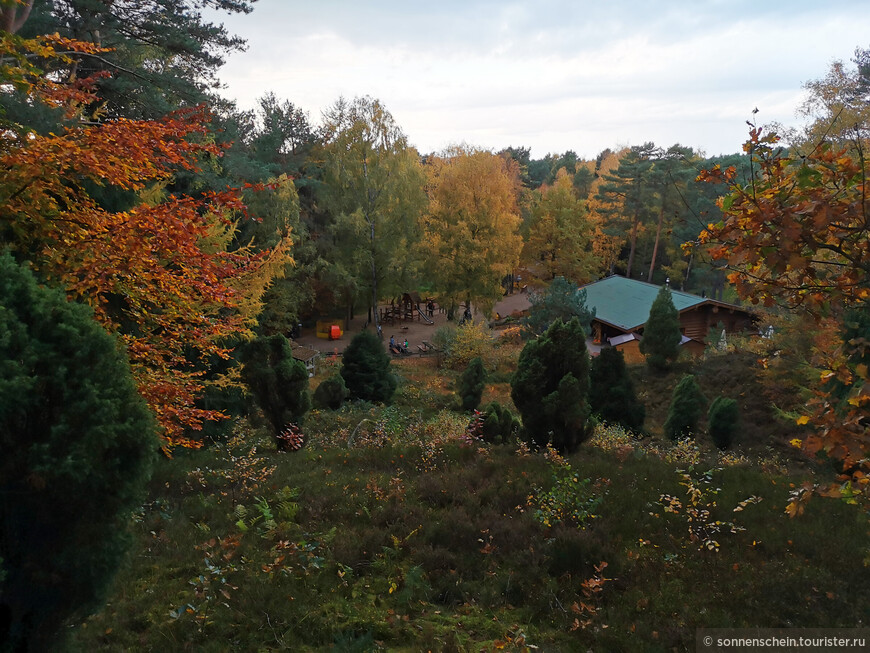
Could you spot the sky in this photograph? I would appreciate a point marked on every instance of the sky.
(551, 75)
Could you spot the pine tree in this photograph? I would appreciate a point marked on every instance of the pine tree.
(611, 391)
(471, 384)
(551, 385)
(78, 444)
(278, 382)
(562, 300)
(661, 335)
(366, 369)
(687, 403)
(625, 197)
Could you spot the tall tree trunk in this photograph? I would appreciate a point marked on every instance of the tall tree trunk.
(374, 298)
(633, 241)
(652, 264)
(688, 271)
(11, 20)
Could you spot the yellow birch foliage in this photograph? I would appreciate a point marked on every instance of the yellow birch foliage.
(561, 235)
(472, 228)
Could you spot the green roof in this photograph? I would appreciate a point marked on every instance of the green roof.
(625, 303)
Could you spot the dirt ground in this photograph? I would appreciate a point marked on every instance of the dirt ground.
(415, 332)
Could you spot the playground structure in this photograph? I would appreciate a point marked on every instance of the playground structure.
(407, 309)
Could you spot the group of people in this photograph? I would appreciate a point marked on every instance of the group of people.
(398, 348)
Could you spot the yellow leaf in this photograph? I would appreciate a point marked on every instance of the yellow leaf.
(796, 442)
(803, 419)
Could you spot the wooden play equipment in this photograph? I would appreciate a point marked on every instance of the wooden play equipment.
(408, 308)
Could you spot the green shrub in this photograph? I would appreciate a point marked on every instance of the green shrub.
(471, 384)
(571, 500)
(722, 420)
(278, 382)
(611, 391)
(551, 385)
(331, 393)
(77, 446)
(661, 335)
(469, 341)
(499, 424)
(366, 369)
(687, 403)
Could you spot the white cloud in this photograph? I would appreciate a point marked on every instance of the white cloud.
(554, 75)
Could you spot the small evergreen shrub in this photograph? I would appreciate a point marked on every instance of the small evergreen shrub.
(611, 391)
(551, 385)
(331, 393)
(366, 369)
(661, 335)
(499, 424)
(471, 384)
(278, 382)
(687, 403)
(722, 420)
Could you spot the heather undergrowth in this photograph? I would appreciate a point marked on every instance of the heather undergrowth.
(393, 529)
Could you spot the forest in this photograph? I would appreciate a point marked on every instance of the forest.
(172, 478)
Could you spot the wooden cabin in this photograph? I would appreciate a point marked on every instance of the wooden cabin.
(622, 309)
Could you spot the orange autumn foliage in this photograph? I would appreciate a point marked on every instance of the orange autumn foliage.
(151, 273)
(799, 234)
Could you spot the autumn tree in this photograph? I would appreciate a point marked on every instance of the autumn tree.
(78, 444)
(158, 270)
(472, 227)
(798, 234)
(373, 187)
(13, 15)
(274, 216)
(560, 234)
(838, 106)
(607, 243)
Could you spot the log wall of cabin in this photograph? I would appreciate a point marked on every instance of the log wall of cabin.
(696, 323)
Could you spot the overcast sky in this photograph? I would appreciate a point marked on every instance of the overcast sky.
(553, 75)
